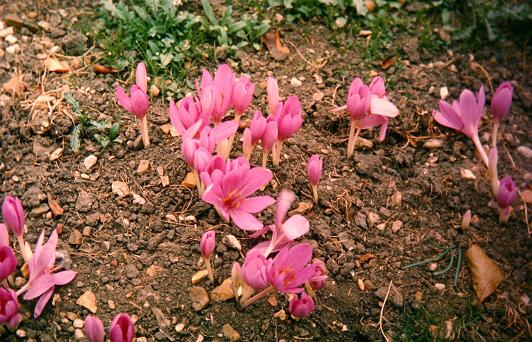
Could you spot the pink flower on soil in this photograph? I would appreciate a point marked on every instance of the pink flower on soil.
(224, 80)
(257, 127)
(289, 120)
(290, 268)
(314, 169)
(317, 281)
(269, 137)
(272, 89)
(207, 244)
(254, 270)
(42, 280)
(138, 102)
(502, 100)
(507, 193)
(9, 308)
(301, 307)
(121, 329)
(13, 215)
(185, 114)
(229, 194)
(358, 99)
(8, 261)
(242, 94)
(94, 329)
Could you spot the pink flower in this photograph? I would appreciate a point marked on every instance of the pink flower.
(229, 194)
(242, 94)
(290, 268)
(138, 102)
(4, 235)
(207, 244)
(94, 329)
(254, 270)
(507, 193)
(272, 89)
(224, 80)
(210, 102)
(290, 120)
(202, 160)
(9, 308)
(301, 307)
(189, 148)
(186, 114)
(502, 100)
(317, 281)
(8, 261)
(42, 280)
(269, 137)
(358, 99)
(257, 127)
(314, 169)
(13, 215)
(121, 329)
(463, 115)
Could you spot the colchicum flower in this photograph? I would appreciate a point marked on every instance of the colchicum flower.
(8, 262)
(317, 281)
(13, 214)
(290, 268)
(506, 196)
(253, 270)
(314, 170)
(9, 308)
(94, 329)
(500, 105)
(301, 307)
(121, 329)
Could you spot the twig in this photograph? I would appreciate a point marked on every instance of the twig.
(382, 313)
(475, 65)
(304, 59)
(526, 212)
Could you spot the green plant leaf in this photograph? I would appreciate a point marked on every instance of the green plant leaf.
(103, 140)
(75, 142)
(113, 132)
(209, 13)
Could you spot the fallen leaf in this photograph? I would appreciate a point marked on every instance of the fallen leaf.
(100, 69)
(277, 49)
(15, 85)
(55, 207)
(54, 65)
(484, 271)
(387, 63)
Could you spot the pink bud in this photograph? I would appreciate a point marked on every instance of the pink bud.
(257, 127)
(270, 136)
(314, 169)
(207, 244)
(94, 329)
(254, 270)
(121, 329)
(8, 262)
(272, 89)
(466, 220)
(13, 215)
(301, 307)
(202, 160)
(141, 78)
(9, 308)
(376, 87)
(507, 193)
(247, 146)
(242, 94)
(358, 99)
(502, 100)
(189, 148)
(290, 119)
(140, 102)
(224, 80)
(317, 281)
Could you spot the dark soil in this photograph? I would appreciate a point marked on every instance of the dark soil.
(140, 258)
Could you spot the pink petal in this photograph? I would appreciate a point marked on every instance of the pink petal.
(448, 116)
(382, 106)
(255, 179)
(260, 233)
(295, 227)
(224, 130)
(245, 221)
(174, 118)
(284, 201)
(370, 121)
(469, 113)
(300, 255)
(62, 278)
(382, 131)
(4, 235)
(39, 286)
(141, 78)
(123, 99)
(256, 204)
(140, 103)
(41, 303)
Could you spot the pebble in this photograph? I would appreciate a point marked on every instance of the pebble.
(71, 315)
(120, 189)
(396, 225)
(180, 327)
(467, 174)
(373, 219)
(90, 161)
(295, 82)
(444, 92)
(223, 292)
(525, 151)
(143, 166)
(439, 286)
(361, 284)
(6, 32)
(111, 304)
(21, 333)
(281, 314)
(132, 271)
(78, 323)
(433, 143)
(87, 230)
(75, 238)
(360, 220)
(199, 276)
(231, 242)
(88, 301)
(381, 226)
(230, 333)
(78, 334)
(318, 96)
(13, 49)
(199, 297)
(11, 39)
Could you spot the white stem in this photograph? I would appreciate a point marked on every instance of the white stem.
(494, 135)
(481, 150)
(143, 125)
(315, 193)
(352, 138)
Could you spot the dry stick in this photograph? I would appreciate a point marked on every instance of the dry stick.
(526, 212)
(382, 313)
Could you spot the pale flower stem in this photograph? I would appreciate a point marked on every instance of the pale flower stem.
(20, 240)
(209, 269)
(5, 284)
(276, 153)
(504, 215)
(481, 150)
(24, 288)
(352, 138)
(265, 158)
(143, 125)
(494, 135)
(315, 193)
(258, 296)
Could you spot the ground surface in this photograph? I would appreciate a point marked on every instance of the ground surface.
(140, 258)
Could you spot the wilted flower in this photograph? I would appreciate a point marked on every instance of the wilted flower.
(301, 307)
(502, 100)
(13, 215)
(121, 329)
(254, 270)
(8, 262)
(317, 281)
(290, 268)
(207, 244)
(9, 308)
(94, 329)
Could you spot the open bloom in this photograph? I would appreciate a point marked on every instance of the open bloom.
(290, 268)
(301, 307)
(254, 270)
(185, 114)
(121, 329)
(314, 169)
(138, 102)
(318, 279)
(94, 329)
(42, 280)
(8, 261)
(13, 214)
(229, 193)
(507, 192)
(207, 244)
(9, 308)
(242, 94)
(502, 100)
(358, 99)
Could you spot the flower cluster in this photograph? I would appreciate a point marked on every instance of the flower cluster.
(120, 330)
(464, 116)
(43, 275)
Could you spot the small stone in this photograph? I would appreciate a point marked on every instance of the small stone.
(444, 92)
(90, 161)
(190, 181)
(360, 220)
(165, 128)
(199, 276)
(88, 301)
(364, 143)
(397, 198)
(364, 33)
(373, 219)
(396, 225)
(87, 230)
(232, 242)
(281, 314)
(381, 226)
(21, 333)
(154, 90)
(79, 335)
(199, 297)
(223, 292)
(6, 32)
(75, 238)
(432, 266)
(180, 327)
(525, 151)
(467, 174)
(143, 166)
(44, 25)
(294, 82)
(120, 189)
(272, 300)
(318, 96)
(439, 286)
(11, 39)
(433, 143)
(154, 270)
(13, 49)
(132, 271)
(71, 316)
(165, 181)
(78, 323)
(137, 199)
(361, 284)
(20, 281)
(340, 22)
(230, 333)
(111, 304)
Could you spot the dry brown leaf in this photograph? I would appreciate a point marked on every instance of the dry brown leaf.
(387, 63)
(484, 271)
(100, 69)
(57, 153)
(55, 207)
(15, 85)
(54, 65)
(276, 47)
